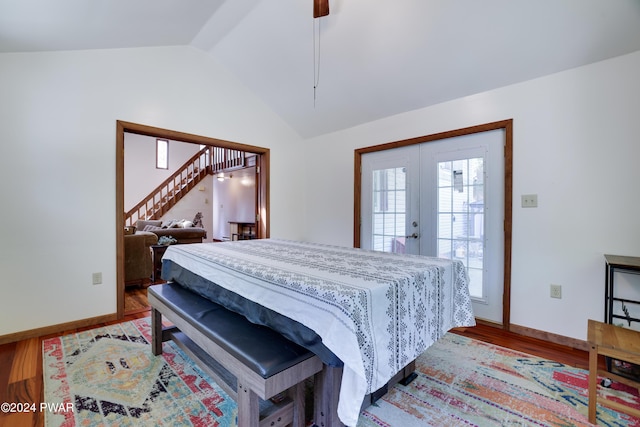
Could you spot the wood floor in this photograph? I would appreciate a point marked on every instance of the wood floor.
(135, 300)
(21, 362)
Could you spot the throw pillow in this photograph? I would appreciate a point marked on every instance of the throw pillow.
(170, 223)
(197, 221)
(141, 224)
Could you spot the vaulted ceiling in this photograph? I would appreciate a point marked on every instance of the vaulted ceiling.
(368, 59)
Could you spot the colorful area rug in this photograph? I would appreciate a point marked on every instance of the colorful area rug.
(465, 382)
(109, 377)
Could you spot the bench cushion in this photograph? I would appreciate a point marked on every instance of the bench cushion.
(232, 331)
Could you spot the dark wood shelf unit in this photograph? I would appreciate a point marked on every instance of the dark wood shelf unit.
(628, 265)
(242, 230)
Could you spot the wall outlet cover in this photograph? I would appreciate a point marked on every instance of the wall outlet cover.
(529, 200)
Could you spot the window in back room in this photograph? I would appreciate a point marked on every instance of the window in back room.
(162, 154)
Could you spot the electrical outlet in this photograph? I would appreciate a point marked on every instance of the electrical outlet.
(556, 291)
(97, 278)
(529, 200)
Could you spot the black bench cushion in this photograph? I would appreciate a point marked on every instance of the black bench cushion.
(256, 313)
(260, 348)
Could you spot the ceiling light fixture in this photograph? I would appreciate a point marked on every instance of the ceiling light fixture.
(221, 176)
(320, 8)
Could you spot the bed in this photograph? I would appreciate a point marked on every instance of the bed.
(370, 313)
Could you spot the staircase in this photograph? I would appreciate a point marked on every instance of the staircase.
(208, 160)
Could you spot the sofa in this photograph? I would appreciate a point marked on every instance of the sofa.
(138, 264)
(181, 230)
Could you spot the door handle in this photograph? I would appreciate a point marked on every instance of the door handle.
(413, 236)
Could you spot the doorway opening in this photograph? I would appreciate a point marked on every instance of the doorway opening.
(262, 228)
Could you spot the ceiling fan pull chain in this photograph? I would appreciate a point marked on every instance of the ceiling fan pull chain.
(316, 59)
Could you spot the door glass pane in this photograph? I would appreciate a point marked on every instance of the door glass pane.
(460, 233)
(389, 209)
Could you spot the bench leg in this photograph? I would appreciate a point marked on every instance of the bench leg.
(248, 409)
(156, 332)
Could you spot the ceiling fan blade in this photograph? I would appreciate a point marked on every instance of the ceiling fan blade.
(320, 8)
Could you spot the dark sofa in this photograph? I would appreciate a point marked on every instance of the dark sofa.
(181, 230)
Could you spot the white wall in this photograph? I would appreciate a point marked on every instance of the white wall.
(575, 145)
(141, 176)
(58, 113)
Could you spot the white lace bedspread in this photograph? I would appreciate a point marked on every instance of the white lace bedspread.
(376, 311)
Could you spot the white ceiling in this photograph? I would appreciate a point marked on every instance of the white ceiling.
(377, 57)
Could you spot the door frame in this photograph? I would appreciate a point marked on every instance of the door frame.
(262, 185)
(507, 126)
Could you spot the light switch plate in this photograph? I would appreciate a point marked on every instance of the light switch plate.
(96, 278)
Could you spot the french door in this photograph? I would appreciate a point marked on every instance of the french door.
(391, 201)
(443, 198)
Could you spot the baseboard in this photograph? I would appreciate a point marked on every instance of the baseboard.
(538, 334)
(57, 329)
(489, 323)
(550, 337)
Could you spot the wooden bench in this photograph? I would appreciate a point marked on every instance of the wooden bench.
(250, 362)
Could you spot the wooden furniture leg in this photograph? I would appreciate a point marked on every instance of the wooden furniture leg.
(326, 394)
(593, 382)
(248, 407)
(297, 395)
(156, 331)
(620, 344)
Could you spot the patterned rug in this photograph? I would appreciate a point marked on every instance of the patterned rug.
(464, 382)
(109, 377)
